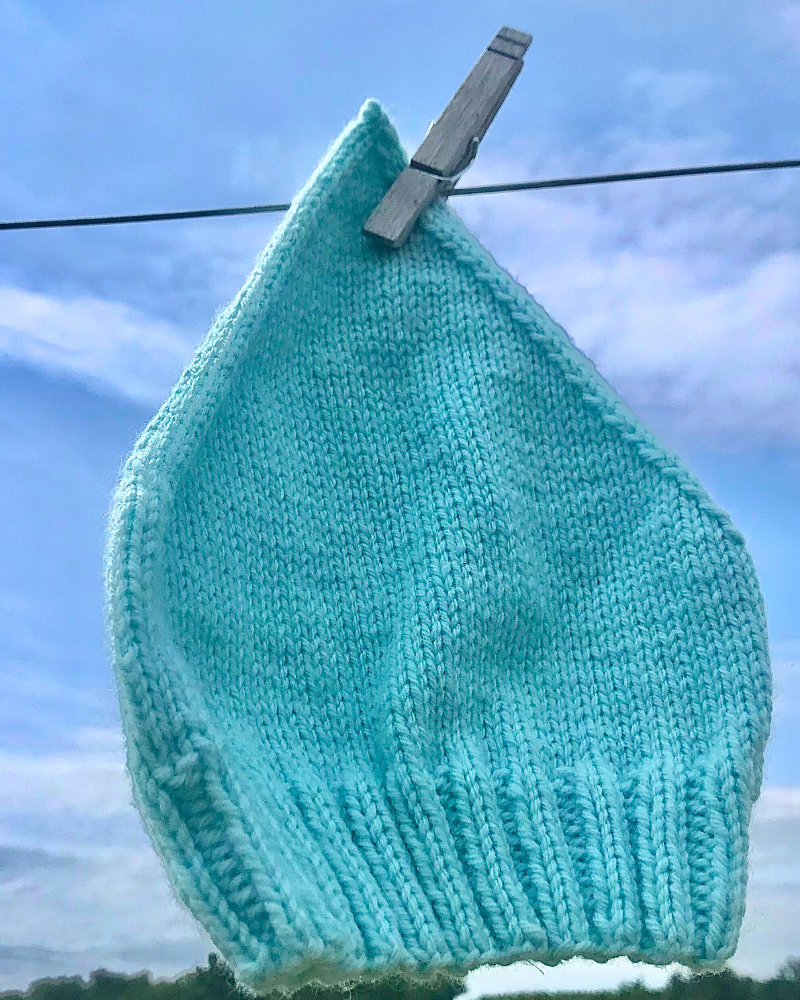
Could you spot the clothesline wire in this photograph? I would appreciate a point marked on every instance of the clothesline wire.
(206, 213)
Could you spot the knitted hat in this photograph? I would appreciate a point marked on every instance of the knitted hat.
(429, 654)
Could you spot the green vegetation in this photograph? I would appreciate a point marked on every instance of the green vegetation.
(216, 982)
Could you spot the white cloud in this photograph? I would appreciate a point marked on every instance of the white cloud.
(671, 91)
(684, 292)
(673, 102)
(575, 975)
(96, 898)
(109, 343)
(106, 898)
(777, 804)
(90, 781)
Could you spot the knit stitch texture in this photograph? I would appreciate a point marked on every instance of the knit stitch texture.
(429, 655)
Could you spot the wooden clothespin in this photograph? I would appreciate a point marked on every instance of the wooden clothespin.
(452, 140)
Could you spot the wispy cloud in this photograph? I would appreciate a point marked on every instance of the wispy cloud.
(79, 880)
(680, 103)
(684, 292)
(89, 780)
(109, 344)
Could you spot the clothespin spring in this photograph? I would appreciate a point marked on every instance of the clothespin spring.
(446, 184)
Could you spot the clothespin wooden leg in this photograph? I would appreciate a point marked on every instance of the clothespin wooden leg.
(451, 142)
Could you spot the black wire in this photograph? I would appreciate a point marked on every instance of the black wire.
(205, 213)
(108, 220)
(639, 175)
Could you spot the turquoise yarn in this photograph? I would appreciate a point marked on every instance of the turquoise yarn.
(429, 655)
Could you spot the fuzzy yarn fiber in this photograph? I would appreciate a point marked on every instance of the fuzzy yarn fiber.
(429, 655)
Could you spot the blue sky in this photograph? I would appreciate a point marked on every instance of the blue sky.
(684, 292)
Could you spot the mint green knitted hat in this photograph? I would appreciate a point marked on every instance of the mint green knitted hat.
(429, 654)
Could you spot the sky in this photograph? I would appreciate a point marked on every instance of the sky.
(684, 292)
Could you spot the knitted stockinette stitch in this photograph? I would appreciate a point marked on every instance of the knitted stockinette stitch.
(429, 655)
